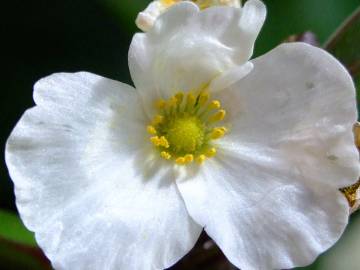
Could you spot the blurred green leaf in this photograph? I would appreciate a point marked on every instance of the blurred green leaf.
(344, 45)
(285, 18)
(12, 229)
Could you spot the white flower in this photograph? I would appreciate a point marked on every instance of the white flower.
(266, 145)
(146, 19)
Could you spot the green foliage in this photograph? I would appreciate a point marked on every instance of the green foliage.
(12, 229)
(18, 249)
(285, 18)
(344, 45)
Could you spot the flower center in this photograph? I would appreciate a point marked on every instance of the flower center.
(185, 126)
(185, 134)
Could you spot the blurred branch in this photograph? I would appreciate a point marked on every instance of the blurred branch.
(344, 45)
(206, 255)
(17, 256)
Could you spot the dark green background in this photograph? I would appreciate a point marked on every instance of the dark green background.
(40, 37)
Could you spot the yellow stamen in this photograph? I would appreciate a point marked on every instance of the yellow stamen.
(215, 104)
(180, 161)
(200, 159)
(165, 155)
(188, 158)
(203, 4)
(172, 102)
(158, 119)
(203, 98)
(169, 3)
(179, 96)
(190, 99)
(183, 129)
(224, 129)
(160, 104)
(217, 133)
(164, 142)
(218, 116)
(210, 152)
(155, 140)
(151, 130)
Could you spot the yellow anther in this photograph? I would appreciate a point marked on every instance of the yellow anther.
(200, 159)
(217, 133)
(151, 130)
(155, 140)
(179, 96)
(183, 128)
(188, 158)
(172, 102)
(160, 104)
(215, 104)
(180, 161)
(203, 98)
(165, 155)
(168, 3)
(224, 129)
(190, 99)
(210, 152)
(164, 142)
(203, 3)
(218, 116)
(158, 119)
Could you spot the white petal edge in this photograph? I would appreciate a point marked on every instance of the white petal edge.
(345, 255)
(83, 186)
(146, 19)
(261, 216)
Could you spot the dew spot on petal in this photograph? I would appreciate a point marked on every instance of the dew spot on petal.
(310, 85)
(332, 157)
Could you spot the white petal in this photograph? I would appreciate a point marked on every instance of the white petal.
(187, 48)
(231, 76)
(146, 19)
(85, 183)
(262, 214)
(299, 100)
